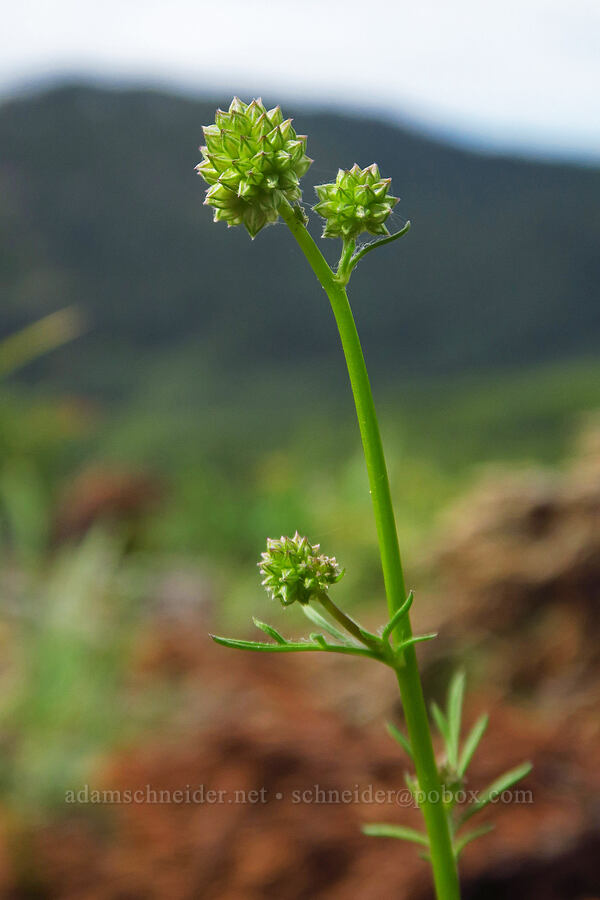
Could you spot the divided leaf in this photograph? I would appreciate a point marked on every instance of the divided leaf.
(291, 647)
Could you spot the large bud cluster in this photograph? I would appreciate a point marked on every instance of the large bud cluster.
(357, 201)
(293, 569)
(253, 160)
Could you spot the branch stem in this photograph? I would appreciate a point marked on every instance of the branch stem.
(349, 624)
(442, 856)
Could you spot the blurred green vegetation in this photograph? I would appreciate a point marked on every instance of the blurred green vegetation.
(271, 455)
(237, 461)
(210, 365)
(68, 613)
(66, 637)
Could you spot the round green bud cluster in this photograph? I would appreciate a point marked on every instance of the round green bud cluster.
(252, 160)
(293, 569)
(358, 201)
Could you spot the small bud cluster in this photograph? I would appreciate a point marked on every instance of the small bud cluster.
(358, 201)
(293, 569)
(252, 160)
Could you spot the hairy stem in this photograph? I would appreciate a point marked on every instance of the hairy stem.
(442, 856)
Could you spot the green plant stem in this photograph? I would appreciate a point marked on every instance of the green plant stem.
(442, 856)
(349, 624)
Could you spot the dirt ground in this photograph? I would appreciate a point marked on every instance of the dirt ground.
(283, 738)
(258, 725)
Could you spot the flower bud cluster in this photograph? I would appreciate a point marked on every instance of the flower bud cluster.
(253, 160)
(357, 201)
(293, 569)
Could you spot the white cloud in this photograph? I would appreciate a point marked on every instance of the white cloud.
(511, 73)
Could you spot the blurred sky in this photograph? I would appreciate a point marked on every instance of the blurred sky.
(521, 74)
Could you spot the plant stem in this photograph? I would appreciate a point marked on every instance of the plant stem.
(442, 856)
(349, 624)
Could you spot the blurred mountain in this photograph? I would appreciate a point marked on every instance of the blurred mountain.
(100, 206)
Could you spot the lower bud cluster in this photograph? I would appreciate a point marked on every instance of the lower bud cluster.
(293, 569)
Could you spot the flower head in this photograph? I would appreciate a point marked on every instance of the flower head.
(357, 201)
(293, 569)
(253, 160)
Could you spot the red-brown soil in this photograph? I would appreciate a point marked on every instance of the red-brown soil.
(520, 579)
(256, 724)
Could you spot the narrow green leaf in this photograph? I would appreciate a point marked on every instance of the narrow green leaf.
(289, 647)
(397, 616)
(440, 721)
(319, 639)
(416, 639)
(397, 735)
(393, 237)
(411, 783)
(317, 619)
(456, 692)
(503, 783)
(396, 831)
(368, 636)
(472, 742)
(462, 842)
(268, 629)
